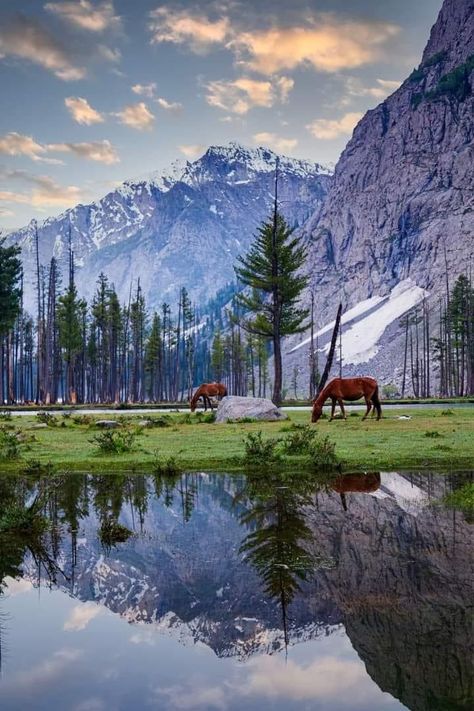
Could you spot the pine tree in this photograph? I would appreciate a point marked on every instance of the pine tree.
(271, 271)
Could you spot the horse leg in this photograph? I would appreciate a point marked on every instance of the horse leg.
(369, 407)
(341, 405)
(333, 408)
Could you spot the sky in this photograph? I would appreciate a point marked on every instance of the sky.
(95, 92)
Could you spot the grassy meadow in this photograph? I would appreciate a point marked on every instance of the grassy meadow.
(430, 439)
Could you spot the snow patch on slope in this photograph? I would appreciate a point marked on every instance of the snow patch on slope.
(360, 341)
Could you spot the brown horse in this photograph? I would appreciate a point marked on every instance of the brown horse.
(349, 389)
(360, 483)
(206, 391)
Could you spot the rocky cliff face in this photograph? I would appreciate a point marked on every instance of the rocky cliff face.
(402, 194)
(183, 228)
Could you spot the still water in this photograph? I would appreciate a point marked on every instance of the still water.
(208, 591)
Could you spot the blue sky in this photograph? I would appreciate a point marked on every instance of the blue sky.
(95, 92)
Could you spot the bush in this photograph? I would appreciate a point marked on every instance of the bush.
(114, 442)
(167, 467)
(47, 418)
(6, 415)
(261, 452)
(447, 413)
(299, 441)
(34, 467)
(82, 420)
(9, 444)
(322, 455)
(432, 433)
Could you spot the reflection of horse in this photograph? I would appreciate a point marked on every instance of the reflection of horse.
(206, 391)
(350, 389)
(361, 483)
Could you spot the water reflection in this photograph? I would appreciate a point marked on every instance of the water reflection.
(247, 566)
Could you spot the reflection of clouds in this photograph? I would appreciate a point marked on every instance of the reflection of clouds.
(92, 704)
(213, 697)
(80, 616)
(271, 679)
(17, 586)
(42, 674)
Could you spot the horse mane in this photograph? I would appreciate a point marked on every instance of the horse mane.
(323, 394)
(196, 395)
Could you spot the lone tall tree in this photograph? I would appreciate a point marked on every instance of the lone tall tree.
(271, 271)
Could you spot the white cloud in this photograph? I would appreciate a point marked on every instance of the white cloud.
(147, 90)
(382, 88)
(17, 144)
(99, 151)
(191, 151)
(240, 95)
(6, 213)
(16, 586)
(327, 129)
(110, 54)
(274, 141)
(44, 673)
(173, 106)
(45, 192)
(80, 616)
(178, 27)
(136, 116)
(24, 37)
(87, 16)
(212, 697)
(82, 111)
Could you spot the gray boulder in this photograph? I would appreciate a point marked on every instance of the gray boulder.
(107, 424)
(257, 408)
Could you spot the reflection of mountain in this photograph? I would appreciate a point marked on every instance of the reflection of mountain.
(400, 581)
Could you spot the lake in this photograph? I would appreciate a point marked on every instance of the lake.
(211, 591)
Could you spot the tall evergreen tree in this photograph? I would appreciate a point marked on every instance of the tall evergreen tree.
(271, 270)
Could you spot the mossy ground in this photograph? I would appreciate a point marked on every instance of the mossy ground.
(429, 439)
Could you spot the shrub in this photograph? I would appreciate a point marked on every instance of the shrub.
(6, 415)
(34, 467)
(9, 444)
(447, 412)
(114, 442)
(322, 455)
(299, 441)
(454, 83)
(47, 418)
(432, 433)
(261, 452)
(167, 467)
(82, 419)
(434, 59)
(416, 74)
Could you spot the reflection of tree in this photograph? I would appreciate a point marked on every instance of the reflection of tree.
(278, 545)
(184, 485)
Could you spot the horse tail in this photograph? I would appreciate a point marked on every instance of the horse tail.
(376, 401)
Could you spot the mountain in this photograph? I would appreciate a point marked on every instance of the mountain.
(181, 228)
(400, 206)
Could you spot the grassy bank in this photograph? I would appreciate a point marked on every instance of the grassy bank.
(429, 439)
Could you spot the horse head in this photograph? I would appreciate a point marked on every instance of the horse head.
(317, 411)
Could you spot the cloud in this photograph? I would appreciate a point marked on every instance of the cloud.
(327, 129)
(99, 151)
(173, 106)
(181, 27)
(45, 191)
(80, 616)
(16, 586)
(110, 54)
(274, 141)
(44, 673)
(6, 213)
(212, 697)
(327, 44)
(191, 151)
(16, 144)
(147, 90)
(82, 111)
(24, 37)
(240, 95)
(381, 90)
(86, 16)
(136, 116)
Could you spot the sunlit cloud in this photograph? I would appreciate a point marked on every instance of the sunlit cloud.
(381, 89)
(328, 45)
(191, 151)
(178, 27)
(82, 112)
(16, 586)
(147, 90)
(172, 106)
(240, 95)
(99, 151)
(6, 213)
(274, 141)
(80, 616)
(136, 116)
(327, 129)
(17, 144)
(26, 39)
(87, 16)
(45, 192)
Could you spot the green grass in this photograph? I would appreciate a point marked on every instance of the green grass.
(388, 444)
(462, 498)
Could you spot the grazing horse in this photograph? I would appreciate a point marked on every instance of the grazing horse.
(360, 483)
(206, 391)
(349, 389)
